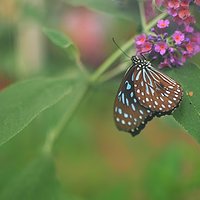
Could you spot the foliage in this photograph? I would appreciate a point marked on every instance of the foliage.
(49, 103)
(38, 176)
(189, 113)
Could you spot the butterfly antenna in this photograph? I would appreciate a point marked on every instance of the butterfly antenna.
(120, 48)
(143, 56)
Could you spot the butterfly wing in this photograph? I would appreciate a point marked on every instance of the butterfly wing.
(157, 91)
(129, 115)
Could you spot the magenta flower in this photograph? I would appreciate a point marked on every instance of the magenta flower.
(173, 4)
(140, 39)
(185, 3)
(171, 49)
(180, 10)
(163, 23)
(178, 37)
(184, 13)
(161, 47)
(189, 29)
(192, 48)
(189, 47)
(146, 47)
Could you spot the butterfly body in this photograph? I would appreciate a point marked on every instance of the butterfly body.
(144, 93)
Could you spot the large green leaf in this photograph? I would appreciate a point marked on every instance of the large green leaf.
(188, 115)
(22, 102)
(36, 181)
(65, 108)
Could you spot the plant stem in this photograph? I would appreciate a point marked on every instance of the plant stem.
(153, 22)
(107, 63)
(54, 133)
(103, 67)
(142, 13)
(114, 72)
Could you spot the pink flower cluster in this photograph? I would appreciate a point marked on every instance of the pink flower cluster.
(171, 49)
(180, 10)
(172, 43)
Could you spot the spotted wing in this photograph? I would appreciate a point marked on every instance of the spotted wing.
(156, 91)
(129, 115)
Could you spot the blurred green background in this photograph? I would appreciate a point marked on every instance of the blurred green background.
(92, 159)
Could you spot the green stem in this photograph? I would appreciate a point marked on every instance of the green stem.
(107, 64)
(114, 72)
(153, 22)
(103, 67)
(142, 13)
(54, 133)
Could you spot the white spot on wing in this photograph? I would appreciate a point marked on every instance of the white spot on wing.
(133, 107)
(170, 101)
(138, 75)
(125, 115)
(123, 122)
(141, 112)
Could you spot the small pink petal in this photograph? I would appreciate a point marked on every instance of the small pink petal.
(140, 39)
(163, 23)
(178, 37)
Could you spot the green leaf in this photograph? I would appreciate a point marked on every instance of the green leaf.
(188, 115)
(49, 119)
(121, 9)
(24, 101)
(61, 40)
(58, 38)
(36, 181)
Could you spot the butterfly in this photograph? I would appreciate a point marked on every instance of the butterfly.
(143, 94)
